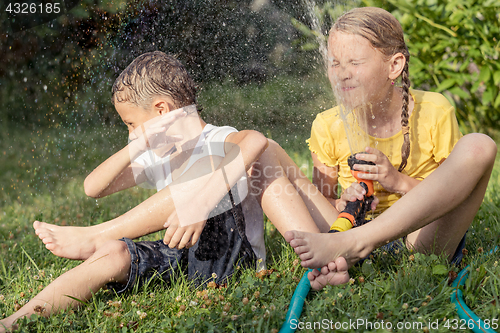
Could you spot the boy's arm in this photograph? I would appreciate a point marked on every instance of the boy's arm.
(242, 150)
(114, 174)
(117, 173)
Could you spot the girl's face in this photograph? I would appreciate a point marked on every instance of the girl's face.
(359, 73)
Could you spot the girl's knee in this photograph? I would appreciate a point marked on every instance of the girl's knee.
(480, 148)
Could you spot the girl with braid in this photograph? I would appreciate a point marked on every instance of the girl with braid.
(429, 180)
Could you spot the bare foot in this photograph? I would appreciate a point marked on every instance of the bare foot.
(334, 273)
(318, 250)
(77, 243)
(4, 326)
(8, 324)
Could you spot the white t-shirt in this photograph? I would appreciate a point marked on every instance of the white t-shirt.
(210, 143)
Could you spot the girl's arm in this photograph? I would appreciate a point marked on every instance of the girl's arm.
(325, 178)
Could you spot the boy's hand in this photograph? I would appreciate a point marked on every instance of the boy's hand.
(179, 236)
(153, 133)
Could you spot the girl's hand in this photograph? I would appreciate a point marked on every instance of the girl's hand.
(383, 171)
(353, 193)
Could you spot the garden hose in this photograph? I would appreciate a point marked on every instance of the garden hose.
(352, 216)
(296, 305)
(464, 312)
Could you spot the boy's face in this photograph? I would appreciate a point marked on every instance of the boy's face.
(134, 116)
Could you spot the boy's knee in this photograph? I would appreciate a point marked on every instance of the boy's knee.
(114, 257)
(272, 147)
(115, 249)
(271, 142)
(267, 158)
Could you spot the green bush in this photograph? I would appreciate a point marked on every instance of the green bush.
(454, 47)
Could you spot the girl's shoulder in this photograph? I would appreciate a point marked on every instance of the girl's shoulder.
(329, 116)
(431, 107)
(430, 99)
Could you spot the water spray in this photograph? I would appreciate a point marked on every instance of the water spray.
(355, 123)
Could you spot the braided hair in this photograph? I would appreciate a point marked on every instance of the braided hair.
(384, 33)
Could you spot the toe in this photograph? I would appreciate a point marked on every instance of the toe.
(289, 236)
(341, 264)
(327, 269)
(315, 272)
(307, 263)
(300, 250)
(293, 235)
(297, 242)
(47, 240)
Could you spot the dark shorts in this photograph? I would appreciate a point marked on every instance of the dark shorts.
(222, 247)
(458, 255)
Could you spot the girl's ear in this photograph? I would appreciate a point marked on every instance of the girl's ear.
(397, 64)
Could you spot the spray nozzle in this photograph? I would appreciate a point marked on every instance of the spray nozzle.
(368, 184)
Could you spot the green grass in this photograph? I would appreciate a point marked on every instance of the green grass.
(41, 177)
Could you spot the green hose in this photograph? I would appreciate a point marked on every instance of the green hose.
(296, 305)
(464, 312)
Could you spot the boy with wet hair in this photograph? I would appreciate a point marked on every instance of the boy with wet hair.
(213, 222)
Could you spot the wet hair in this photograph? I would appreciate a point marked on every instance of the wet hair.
(385, 34)
(154, 74)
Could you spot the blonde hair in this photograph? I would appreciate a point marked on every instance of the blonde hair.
(385, 34)
(154, 74)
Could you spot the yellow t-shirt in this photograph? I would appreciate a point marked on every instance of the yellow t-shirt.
(433, 134)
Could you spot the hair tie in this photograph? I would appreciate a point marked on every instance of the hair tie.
(405, 129)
